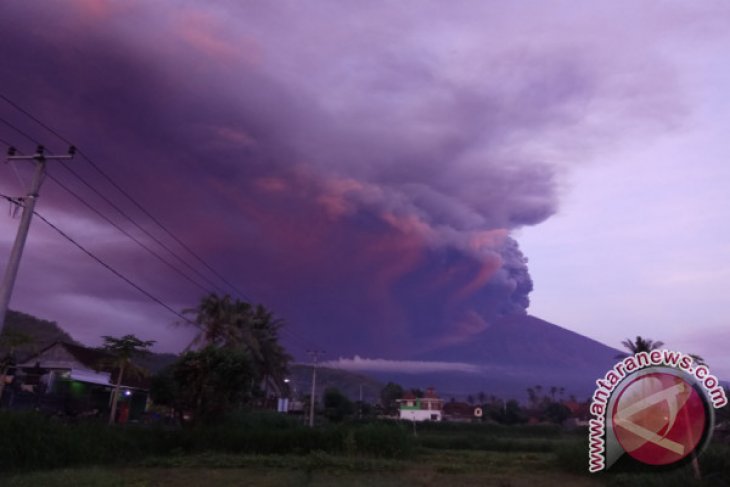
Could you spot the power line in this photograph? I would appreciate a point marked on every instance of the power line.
(164, 228)
(123, 231)
(112, 204)
(20, 131)
(140, 227)
(125, 193)
(130, 236)
(3, 141)
(298, 339)
(40, 160)
(21, 183)
(125, 215)
(107, 266)
(287, 331)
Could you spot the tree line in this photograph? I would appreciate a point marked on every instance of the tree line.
(234, 360)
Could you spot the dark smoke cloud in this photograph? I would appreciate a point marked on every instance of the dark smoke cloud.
(359, 168)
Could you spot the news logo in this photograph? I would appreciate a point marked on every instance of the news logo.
(657, 407)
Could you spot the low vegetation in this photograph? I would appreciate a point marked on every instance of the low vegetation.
(31, 441)
(279, 451)
(208, 433)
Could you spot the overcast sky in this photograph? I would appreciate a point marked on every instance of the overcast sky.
(378, 173)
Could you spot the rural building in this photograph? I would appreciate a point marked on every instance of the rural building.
(75, 380)
(461, 412)
(426, 408)
(579, 414)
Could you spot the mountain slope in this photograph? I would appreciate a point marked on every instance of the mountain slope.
(515, 353)
(348, 383)
(524, 340)
(42, 332)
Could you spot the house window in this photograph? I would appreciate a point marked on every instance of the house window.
(434, 417)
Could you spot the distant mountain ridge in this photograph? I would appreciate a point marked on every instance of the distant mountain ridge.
(351, 384)
(526, 340)
(514, 353)
(43, 332)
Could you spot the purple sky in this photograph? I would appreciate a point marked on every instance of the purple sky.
(368, 169)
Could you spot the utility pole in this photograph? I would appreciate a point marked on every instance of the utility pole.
(28, 204)
(359, 408)
(314, 355)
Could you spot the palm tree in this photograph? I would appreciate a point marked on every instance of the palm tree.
(639, 345)
(532, 396)
(272, 359)
(122, 350)
(647, 345)
(215, 318)
(228, 323)
(225, 322)
(698, 359)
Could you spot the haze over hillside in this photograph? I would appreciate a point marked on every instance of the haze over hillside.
(42, 332)
(352, 384)
(517, 352)
(525, 340)
(45, 332)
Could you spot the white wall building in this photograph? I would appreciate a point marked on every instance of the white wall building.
(426, 408)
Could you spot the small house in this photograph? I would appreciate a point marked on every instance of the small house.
(78, 380)
(461, 412)
(426, 408)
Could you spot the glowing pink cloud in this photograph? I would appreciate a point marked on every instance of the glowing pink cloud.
(364, 178)
(100, 10)
(204, 32)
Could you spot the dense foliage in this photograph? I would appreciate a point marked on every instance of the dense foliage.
(336, 405)
(240, 359)
(224, 322)
(388, 396)
(206, 383)
(30, 441)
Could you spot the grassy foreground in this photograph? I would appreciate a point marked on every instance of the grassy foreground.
(430, 468)
(427, 467)
(269, 450)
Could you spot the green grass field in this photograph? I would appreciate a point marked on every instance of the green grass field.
(429, 468)
(265, 450)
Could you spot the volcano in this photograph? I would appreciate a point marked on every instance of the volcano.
(516, 352)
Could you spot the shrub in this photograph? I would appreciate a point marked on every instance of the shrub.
(493, 429)
(487, 443)
(32, 441)
(384, 440)
(572, 456)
